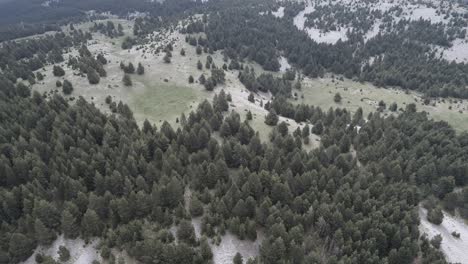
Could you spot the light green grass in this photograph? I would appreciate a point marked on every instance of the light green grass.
(163, 101)
(320, 92)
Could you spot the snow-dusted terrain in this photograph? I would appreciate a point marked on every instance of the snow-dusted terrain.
(458, 52)
(422, 10)
(230, 245)
(455, 249)
(284, 64)
(279, 13)
(314, 33)
(80, 252)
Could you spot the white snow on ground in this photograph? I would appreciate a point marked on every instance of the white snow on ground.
(284, 64)
(80, 252)
(426, 13)
(230, 245)
(300, 19)
(458, 52)
(279, 13)
(455, 249)
(49, 2)
(323, 37)
(410, 11)
(374, 31)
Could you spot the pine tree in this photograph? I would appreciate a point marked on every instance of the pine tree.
(202, 79)
(127, 80)
(272, 118)
(435, 216)
(249, 116)
(167, 58)
(238, 259)
(69, 226)
(91, 225)
(140, 69)
(251, 98)
(44, 235)
(39, 76)
(58, 71)
(23, 90)
(337, 98)
(186, 232)
(67, 87)
(210, 84)
(205, 250)
(93, 76)
(225, 130)
(101, 59)
(196, 207)
(64, 254)
(130, 68)
(306, 131)
(20, 247)
(317, 129)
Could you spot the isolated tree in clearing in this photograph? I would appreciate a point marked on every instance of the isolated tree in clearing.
(140, 69)
(58, 71)
(249, 115)
(251, 98)
(127, 80)
(167, 58)
(93, 76)
(67, 87)
(337, 98)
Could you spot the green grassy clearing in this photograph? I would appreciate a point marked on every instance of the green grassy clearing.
(320, 92)
(162, 101)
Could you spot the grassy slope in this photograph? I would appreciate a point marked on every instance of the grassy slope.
(155, 99)
(320, 92)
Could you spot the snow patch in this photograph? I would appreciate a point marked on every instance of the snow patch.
(49, 2)
(230, 245)
(300, 19)
(279, 13)
(458, 52)
(330, 37)
(374, 31)
(284, 64)
(454, 248)
(81, 253)
(426, 13)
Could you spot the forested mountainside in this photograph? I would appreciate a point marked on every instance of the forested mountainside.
(401, 54)
(72, 170)
(308, 184)
(22, 18)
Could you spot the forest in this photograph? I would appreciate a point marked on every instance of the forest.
(69, 169)
(402, 54)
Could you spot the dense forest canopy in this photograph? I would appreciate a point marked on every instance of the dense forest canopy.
(72, 170)
(28, 17)
(401, 55)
